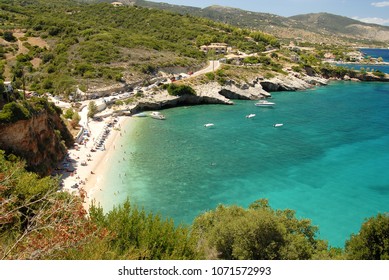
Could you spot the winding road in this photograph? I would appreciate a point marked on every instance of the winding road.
(213, 65)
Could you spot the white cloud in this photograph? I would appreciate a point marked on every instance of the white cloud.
(380, 21)
(380, 4)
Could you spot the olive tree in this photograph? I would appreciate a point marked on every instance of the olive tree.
(372, 241)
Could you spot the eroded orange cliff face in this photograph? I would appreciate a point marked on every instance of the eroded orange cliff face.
(40, 140)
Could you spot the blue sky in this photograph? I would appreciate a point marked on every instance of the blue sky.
(373, 11)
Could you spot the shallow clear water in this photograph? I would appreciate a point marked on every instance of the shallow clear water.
(328, 162)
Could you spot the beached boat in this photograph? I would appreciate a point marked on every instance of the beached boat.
(265, 103)
(157, 115)
(250, 116)
(142, 114)
(208, 125)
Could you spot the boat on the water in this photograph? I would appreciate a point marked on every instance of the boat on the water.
(208, 125)
(278, 124)
(157, 115)
(250, 116)
(264, 103)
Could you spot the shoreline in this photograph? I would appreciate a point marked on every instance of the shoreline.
(337, 63)
(90, 167)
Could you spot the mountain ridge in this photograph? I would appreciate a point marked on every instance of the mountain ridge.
(347, 30)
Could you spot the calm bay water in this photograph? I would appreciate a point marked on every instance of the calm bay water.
(375, 53)
(328, 162)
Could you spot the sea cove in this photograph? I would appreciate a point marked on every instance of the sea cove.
(328, 162)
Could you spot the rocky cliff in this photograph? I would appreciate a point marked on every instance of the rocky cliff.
(205, 94)
(292, 82)
(214, 93)
(41, 140)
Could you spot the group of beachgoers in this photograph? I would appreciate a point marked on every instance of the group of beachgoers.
(82, 160)
(99, 143)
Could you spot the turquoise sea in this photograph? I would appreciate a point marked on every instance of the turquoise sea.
(329, 161)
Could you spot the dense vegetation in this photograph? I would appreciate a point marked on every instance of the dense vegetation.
(94, 43)
(23, 109)
(37, 222)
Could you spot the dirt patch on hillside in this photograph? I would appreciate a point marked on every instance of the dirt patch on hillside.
(11, 57)
(37, 41)
(36, 62)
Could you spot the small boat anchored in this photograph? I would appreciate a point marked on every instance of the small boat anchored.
(265, 103)
(250, 116)
(278, 124)
(208, 125)
(157, 115)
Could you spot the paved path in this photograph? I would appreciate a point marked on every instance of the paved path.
(213, 66)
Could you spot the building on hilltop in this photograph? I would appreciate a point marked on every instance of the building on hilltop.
(8, 86)
(218, 48)
(117, 4)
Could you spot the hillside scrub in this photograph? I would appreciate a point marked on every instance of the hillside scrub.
(98, 43)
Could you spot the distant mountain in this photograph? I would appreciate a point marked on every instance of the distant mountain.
(331, 24)
(322, 27)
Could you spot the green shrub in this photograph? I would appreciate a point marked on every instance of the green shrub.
(13, 112)
(210, 76)
(379, 73)
(141, 235)
(251, 60)
(297, 68)
(69, 113)
(8, 36)
(372, 241)
(258, 232)
(180, 90)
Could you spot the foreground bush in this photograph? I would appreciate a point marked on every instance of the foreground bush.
(257, 233)
(140, 235)
(372, 241)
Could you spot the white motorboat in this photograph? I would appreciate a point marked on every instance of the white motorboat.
(157, 115)
(250, 116)
(208, 125)
(278, 124)
(264, 103)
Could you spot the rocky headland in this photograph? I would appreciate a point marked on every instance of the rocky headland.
(256, 88)
(215, 93)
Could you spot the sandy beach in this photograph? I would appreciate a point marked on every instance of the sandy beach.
(84, 168)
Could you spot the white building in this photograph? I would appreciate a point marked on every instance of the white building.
(8, 86)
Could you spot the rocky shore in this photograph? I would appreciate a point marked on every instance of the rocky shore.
(214, 93)
(257, 88)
